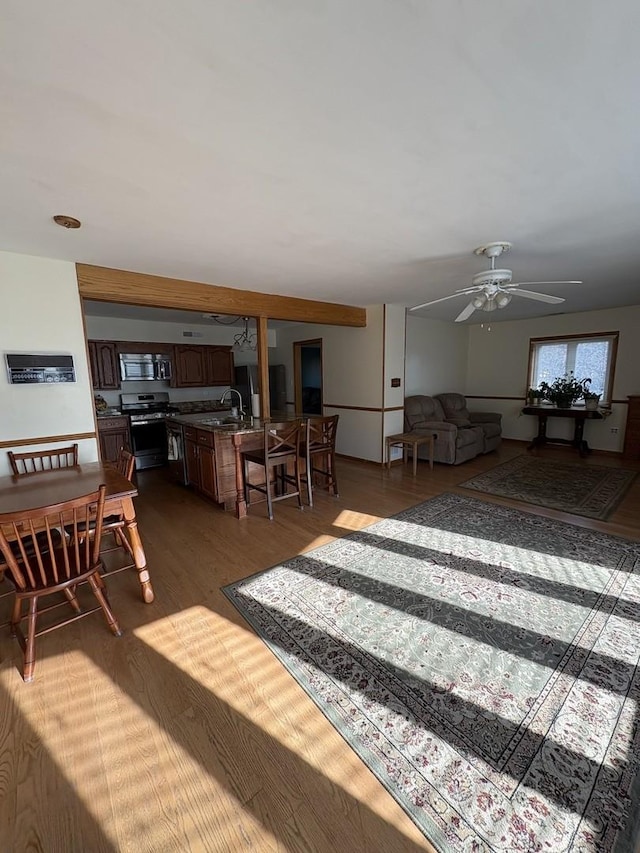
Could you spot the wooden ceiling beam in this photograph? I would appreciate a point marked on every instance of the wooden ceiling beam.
(110, 285)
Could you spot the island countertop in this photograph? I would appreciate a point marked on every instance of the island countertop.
(216, 423)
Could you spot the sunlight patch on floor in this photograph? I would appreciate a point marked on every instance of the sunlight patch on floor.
(349, 519)
(139, 781)
(263, 691)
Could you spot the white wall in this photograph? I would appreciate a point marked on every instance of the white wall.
(497, 367)
(41, 312)
(353, 364)
(118, 329)
(436, 356)
(394, 359)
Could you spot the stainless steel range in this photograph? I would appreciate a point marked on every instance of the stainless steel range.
(147, 413)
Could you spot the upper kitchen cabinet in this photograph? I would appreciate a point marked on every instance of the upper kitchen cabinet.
(219, 366)
(189, 366)
(200, 366)
(103, 361)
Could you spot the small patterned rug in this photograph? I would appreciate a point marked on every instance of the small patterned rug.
(483, 663)
(590, 490)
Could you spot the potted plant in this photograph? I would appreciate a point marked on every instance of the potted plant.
(591, 400)
(534, 396)
(565, 390)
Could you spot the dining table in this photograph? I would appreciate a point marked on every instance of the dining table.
(49, 488)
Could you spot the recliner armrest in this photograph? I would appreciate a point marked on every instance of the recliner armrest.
(434, 426)
(485, 417)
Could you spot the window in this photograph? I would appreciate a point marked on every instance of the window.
(592, 356)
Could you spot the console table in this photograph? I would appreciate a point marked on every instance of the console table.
(578, 415)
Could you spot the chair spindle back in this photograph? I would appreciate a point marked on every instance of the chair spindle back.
(43, 460)
(39, 560)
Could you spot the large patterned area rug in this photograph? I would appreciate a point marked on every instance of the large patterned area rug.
(482, 661)
(590, 490)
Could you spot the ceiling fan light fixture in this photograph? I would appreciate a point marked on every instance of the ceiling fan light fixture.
(494, 288)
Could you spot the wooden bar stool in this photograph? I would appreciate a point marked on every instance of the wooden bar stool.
(281, 448)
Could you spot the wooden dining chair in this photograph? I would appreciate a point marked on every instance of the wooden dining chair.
(280, 449)
(23, 464)
(58, 568)
(319, 454)
(43, 460)
(116, 523)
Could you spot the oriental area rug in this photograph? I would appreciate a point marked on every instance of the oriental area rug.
(482, 662)
(590, 490)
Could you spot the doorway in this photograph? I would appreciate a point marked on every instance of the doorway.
(307, 369)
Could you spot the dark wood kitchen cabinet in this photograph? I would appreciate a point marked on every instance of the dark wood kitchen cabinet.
(113, 433)
(189, 366)
(104, 365)
(202, 366)
(201, 461)
(219, 366)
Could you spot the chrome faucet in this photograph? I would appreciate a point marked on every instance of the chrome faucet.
(240, 409)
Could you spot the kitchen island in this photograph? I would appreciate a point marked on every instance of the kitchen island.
(211, 448)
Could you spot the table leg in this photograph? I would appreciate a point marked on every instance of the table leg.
(578, 438)
(431, 451)
(388, 443)
(139, 556)
(541, 437)
(414, 450)
(241, 503)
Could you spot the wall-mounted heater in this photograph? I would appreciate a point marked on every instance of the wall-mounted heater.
(39, 368)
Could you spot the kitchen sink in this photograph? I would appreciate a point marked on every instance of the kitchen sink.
(222, 423)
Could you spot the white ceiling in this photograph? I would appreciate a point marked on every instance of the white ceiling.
(346, 151)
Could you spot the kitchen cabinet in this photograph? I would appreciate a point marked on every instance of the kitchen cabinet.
(632, 431)
(189, 366)
(113, 433)
(104, 364)
(201, 461)
(219, 363)
(202, 366)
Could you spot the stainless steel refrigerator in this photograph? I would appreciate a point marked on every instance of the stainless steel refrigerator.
(248, 383)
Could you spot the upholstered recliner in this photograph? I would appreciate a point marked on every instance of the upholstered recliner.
(456, 412)
(454, 444)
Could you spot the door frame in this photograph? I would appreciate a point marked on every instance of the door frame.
(297, 372)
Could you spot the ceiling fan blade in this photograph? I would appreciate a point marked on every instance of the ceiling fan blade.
(540, 297)
(529, 283)
(474, 288)
(466, 312)
(434, 301)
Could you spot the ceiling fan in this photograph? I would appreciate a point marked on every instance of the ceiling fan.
(493, 288)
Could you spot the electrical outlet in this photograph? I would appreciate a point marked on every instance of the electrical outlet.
(614, 430)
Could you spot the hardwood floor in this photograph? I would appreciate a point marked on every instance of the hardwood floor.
(186, 734)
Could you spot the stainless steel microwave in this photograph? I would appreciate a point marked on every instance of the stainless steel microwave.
(135, 367)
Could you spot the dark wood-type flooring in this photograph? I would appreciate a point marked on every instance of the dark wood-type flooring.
(187, 734)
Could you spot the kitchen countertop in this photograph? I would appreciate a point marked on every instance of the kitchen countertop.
(204, 422)
(110, 413)
(208, 423)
